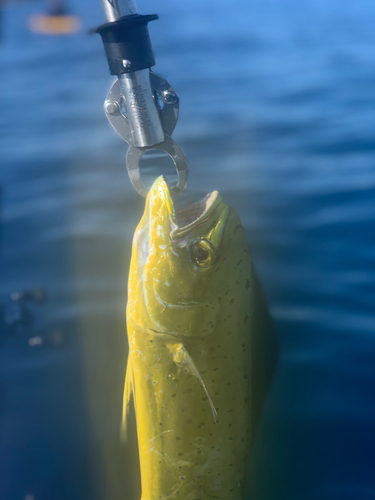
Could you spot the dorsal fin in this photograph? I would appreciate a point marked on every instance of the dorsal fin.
(182, 357)
(128, 391)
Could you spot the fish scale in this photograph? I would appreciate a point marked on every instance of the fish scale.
(191, 385)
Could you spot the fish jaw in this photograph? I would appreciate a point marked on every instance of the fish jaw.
(168, 291)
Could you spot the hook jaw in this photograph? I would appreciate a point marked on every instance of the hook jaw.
(170, 147)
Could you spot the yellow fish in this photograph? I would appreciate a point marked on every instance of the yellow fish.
(188, 318)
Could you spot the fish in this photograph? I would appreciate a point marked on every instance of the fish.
(188, 369)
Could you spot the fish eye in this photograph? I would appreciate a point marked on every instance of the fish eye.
(203, 252)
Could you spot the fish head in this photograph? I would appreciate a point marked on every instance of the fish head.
(175, 285)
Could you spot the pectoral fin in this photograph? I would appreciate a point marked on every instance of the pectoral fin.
(183, 358)
(128, 391)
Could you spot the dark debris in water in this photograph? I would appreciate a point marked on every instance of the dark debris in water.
(17, 317)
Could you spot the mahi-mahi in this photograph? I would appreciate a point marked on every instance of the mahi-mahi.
(188, 320)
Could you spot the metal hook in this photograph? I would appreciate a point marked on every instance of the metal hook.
(170, 147)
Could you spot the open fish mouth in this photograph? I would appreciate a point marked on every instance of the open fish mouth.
(181, 222)
(191, 216)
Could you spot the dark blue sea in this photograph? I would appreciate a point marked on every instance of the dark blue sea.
(278, 114)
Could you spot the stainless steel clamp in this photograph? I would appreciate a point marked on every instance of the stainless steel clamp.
(141, 106)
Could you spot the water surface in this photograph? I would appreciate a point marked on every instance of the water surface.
(277, 113)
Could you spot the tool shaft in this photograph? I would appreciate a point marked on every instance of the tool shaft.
(140, 106)
(114, 9)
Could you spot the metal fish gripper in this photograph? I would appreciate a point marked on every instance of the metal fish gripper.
(141, 106)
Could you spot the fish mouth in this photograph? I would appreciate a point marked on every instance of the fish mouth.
(190, 217)
(176, 223)
(193, 213)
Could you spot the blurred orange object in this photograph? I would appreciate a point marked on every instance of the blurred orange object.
(54, 24)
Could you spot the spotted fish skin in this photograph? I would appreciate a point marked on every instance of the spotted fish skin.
(189, 341)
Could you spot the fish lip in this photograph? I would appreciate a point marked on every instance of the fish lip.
(187, 219)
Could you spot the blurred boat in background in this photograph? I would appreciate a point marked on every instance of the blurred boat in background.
(57, 21)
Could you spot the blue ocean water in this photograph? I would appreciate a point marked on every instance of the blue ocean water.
(277, 113)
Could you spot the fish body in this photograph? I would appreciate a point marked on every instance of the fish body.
(188, 318)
